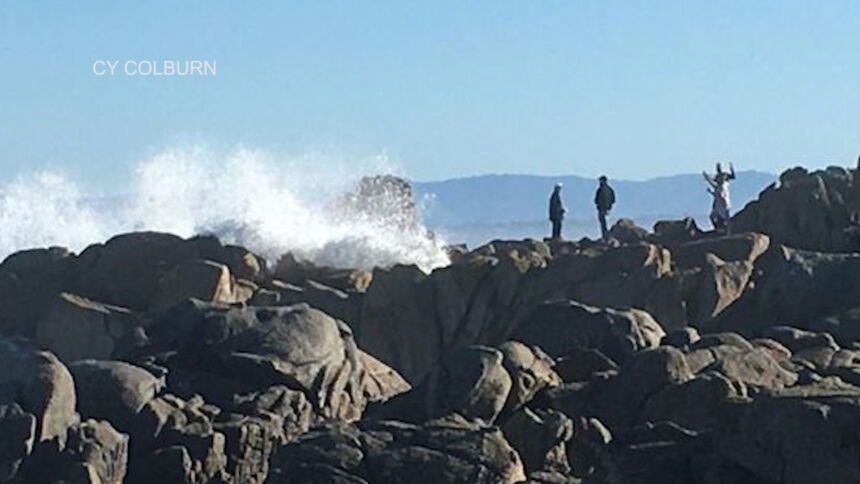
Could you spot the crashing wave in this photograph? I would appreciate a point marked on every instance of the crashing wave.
(246, 197)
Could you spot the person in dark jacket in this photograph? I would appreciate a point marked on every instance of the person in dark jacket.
(854, 197)
(556, 211)
(604, 198)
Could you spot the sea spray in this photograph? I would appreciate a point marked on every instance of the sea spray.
(246, 197)
(46, 209)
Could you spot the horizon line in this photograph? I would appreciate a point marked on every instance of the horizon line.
(584, 177)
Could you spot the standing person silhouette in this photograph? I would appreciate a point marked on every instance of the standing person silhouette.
(854, 197)
(604, 198)
(718, 187)
(556, 211)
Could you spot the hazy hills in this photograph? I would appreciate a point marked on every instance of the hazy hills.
(517, 198)
(477, 207)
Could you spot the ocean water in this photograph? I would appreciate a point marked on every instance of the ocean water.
(265, 202)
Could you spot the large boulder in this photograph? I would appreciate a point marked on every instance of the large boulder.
(113, 390)
(170, 437)
(343, 305)
(379, 382)
(41, 436)
(174, 440)
(531, 371)
(626, 231)
(243, 263)
(617, 399)
(126, 270)
(291, 408)
(396, 314)
(709, 275)
(75, 328)
(143, 270)
(707, 401)
(17, 437)
(718, 284)
(477, 383)
(472, 382)
(761, 363)
(697, 295)
(482, 383)
(621, 277)
(730, 248)
(539, 436)
(804, 210)
(29, 281)
(95, 451)
(796, 340)
(252, 348)
(179, 440)
(581, 365)
(639, 379)
(651, 369)
(754, 367)
(793, 287)
(248, 444)
(665, 452)
(50, 263)
(843, 325)
(199, 279)
(682, 338)
(788, 439)
(672, 233)
(40, 385)
(411, 320)
(448, 450)
(292, 270)
(559, 328)
(586, 450)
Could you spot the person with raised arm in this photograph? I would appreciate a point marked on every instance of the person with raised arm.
(718, 187)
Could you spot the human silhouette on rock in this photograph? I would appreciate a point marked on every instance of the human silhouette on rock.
(556, 211)
(604, 198)
(854, 199)
(718, 187)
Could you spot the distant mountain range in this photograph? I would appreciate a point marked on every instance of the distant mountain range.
(517, 199)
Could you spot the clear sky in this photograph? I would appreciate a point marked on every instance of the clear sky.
(632, 88)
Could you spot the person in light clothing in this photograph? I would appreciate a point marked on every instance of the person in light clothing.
(718, 187)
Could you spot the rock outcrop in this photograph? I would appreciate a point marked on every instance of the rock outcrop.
(75, 328)
(677, 356)
(410, 319)
(562, 327)
(447, 450)
(805, 210)
(43, 438)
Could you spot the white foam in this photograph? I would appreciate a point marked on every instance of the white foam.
(267, 203)
(43, 210)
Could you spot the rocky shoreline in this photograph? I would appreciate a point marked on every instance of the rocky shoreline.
(676, 355)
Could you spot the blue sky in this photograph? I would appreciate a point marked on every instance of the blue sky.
(634, 89)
